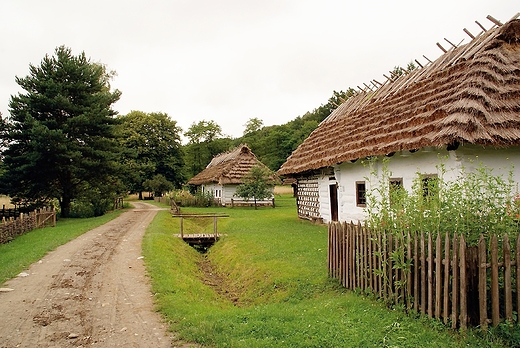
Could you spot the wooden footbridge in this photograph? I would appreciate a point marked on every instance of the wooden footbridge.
(199, 239)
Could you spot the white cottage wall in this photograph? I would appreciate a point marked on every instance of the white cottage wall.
(323, 187)
(406, 166)
(215, 189)
(228, 193)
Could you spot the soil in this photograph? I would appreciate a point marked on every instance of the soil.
(92, 291)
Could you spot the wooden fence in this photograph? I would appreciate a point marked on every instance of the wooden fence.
(442, 278)
(11, 227)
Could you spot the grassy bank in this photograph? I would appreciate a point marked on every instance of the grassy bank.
(265, 284)
(26, 249)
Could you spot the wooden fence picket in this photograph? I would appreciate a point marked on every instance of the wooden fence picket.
(430, 277)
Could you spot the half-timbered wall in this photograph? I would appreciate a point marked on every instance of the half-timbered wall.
(308, 198)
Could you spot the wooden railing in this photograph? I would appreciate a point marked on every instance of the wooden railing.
(442, 277)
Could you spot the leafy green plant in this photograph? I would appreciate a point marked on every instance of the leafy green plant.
(476, 203)
(257, 184)
(199, 199)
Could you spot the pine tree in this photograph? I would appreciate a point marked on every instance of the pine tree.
(59, 137)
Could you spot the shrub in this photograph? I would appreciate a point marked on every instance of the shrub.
(475, 203)
(199, 199)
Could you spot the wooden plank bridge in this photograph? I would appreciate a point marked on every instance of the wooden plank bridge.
(199, 239)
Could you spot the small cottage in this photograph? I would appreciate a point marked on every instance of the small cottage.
(463, 108)
(225, 172)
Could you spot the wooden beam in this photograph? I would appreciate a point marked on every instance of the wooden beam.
(481, 26)
(469, 34)
(448, 41)
(427, 59)
(389, 79)
(419, 63)
(496, 21)
(442, 48)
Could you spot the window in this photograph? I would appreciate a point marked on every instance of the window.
(429, 184)
(396, 183)
(360, 194)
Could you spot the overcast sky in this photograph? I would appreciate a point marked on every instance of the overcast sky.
(232, 60)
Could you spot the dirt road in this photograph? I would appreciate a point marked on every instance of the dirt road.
(90, 292)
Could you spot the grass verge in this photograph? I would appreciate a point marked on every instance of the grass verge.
(274, 267)
(26, 249)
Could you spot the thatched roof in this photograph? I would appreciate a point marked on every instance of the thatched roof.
(229, 167)
(470, 94)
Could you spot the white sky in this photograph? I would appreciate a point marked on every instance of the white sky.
(232, 60)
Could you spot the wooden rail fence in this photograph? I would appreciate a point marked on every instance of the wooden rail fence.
(12, 228)
(440, 277)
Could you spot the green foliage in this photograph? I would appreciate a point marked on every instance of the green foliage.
(257, 184)
(273, 144)
(152, 147)
(476, 203)
(253, 125)
(199, 199)
(205, 142)
(158, 184)
(59, 140)
(276, 290)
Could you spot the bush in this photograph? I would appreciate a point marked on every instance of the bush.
(475, 203)
(199, 199)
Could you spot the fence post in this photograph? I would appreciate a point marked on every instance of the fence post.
(482, 281)
(423, 275)
(430, 275)
(508, 297)
(438, 268)
(463, 285)
(409, 275)
(446, 277)
(455, 283)
(495, 300)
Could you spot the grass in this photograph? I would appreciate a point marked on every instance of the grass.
(273, 266)
(26, 249)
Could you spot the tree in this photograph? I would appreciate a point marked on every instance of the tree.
(59, 137)
(203, 131)
(152, 146)
(253, 125)
(257, 184)
(158, 185)
(204, 143)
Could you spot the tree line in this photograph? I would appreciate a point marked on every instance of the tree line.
(63, 142)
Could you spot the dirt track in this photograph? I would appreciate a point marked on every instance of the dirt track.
(90, 292)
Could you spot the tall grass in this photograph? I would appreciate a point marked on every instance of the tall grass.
(276, 292)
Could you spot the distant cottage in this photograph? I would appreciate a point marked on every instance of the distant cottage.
(225, 172)
(464, 106)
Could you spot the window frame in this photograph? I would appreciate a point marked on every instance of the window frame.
(361, 198)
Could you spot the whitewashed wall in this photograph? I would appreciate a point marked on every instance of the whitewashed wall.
(407, 166)
(228, 193)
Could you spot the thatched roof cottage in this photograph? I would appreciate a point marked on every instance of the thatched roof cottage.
(225, 172)
(463, 105)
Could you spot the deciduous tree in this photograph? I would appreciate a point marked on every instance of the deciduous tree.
(152, 146)
(257, 184)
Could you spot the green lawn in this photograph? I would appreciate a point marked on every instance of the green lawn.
(275, 291)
